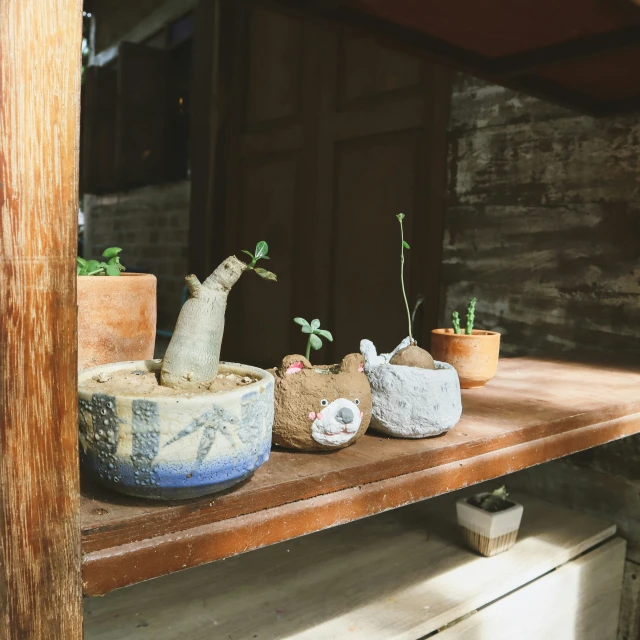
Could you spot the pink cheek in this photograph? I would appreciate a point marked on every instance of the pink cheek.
(312, 415)
(320, 416)
(361, 414)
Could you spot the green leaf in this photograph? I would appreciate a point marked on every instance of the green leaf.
(262, 249)
(315, 324)
(405, 244)
(301, 321)
(80, 270)
(316, 343)
(267, 275)
(307, 329)
(248, 253)
(112, 270)
(81, 262)
(325, 334)
(93, 265)
(111, 252)
(400, 216)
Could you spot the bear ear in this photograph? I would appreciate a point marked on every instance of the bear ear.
(293, 364)
(352, 363)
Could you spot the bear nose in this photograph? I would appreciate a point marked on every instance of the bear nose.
(345, 416)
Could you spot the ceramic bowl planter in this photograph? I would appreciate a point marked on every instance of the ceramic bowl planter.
(179, 444)
(318, 407)
(475, 356)
(489, 533)
(410, 402)
(116, 318)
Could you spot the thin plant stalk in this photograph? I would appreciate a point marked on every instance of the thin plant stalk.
(307, 353)
(400, 217)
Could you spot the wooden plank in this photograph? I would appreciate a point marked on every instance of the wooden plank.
(517, 407)
(579, 600)
(396, 576)
(117, 566)
(40, 594)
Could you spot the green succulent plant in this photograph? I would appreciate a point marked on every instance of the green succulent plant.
(112, 266)
(315, 334)
(262, 249)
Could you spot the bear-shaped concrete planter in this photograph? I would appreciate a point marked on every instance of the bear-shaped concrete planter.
(170, 447)
(319, 407)
(409, 402)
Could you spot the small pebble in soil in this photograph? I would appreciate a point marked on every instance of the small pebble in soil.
(138, 373)
(103, 377)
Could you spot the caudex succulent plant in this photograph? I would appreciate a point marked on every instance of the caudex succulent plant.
(413, 355)
(315, 333)
(112, 266)
(471, 317)
(193, 355)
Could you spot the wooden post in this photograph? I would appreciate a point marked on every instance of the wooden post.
(40, 580)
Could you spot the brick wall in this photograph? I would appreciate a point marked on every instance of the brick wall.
(151, 225)
(543, 226)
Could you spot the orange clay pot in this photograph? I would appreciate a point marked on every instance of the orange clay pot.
(474, 357)
(116, 318)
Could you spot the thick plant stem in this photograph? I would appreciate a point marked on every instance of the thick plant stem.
(308, 351)
(193, 355)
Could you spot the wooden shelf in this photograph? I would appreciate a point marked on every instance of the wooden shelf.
(399, 575)
(532, 412)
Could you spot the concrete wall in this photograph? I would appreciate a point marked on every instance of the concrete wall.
(544, 222)
(151, 225)
(543, 226)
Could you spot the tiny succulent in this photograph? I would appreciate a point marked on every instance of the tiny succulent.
(111, 267)
(261, 251)
(471, 318)
(315, 333)
(494, 501)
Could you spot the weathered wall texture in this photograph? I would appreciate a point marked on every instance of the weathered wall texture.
(543, 226)
(151, 225)
(544, 222)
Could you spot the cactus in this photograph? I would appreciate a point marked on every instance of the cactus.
(471, 315)
(455, 321)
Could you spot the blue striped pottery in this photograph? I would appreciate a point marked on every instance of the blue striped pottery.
(179, 446)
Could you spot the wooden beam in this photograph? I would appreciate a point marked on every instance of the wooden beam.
(40, 593)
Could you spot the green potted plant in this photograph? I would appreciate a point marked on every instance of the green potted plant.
(187, 425)
(472, 352)
(116, 312)
(413, 395)
(489, 521)
(320, 407)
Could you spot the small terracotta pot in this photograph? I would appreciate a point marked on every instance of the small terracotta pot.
(474, 357)
(116, 318)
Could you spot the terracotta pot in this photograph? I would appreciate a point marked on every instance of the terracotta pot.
(116, 318)
(320, 407)
(176, 446)
(474, 357)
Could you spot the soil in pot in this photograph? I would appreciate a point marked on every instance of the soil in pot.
(155, 442)
(320, 407)
(474, 357)
(116, 318)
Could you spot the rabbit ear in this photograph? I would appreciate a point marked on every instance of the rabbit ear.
(294, 364)
(352, 363)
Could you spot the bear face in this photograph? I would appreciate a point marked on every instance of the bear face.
(320, 407)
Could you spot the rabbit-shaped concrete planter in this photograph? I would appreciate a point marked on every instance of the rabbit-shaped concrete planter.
(320, 407)
(176, 446)
(410, 402)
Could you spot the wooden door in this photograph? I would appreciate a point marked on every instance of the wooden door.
(329, 136)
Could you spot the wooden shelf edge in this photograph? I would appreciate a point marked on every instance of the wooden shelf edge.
(120, 566)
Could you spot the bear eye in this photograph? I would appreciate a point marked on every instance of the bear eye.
(324, 403)
(357, 401)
